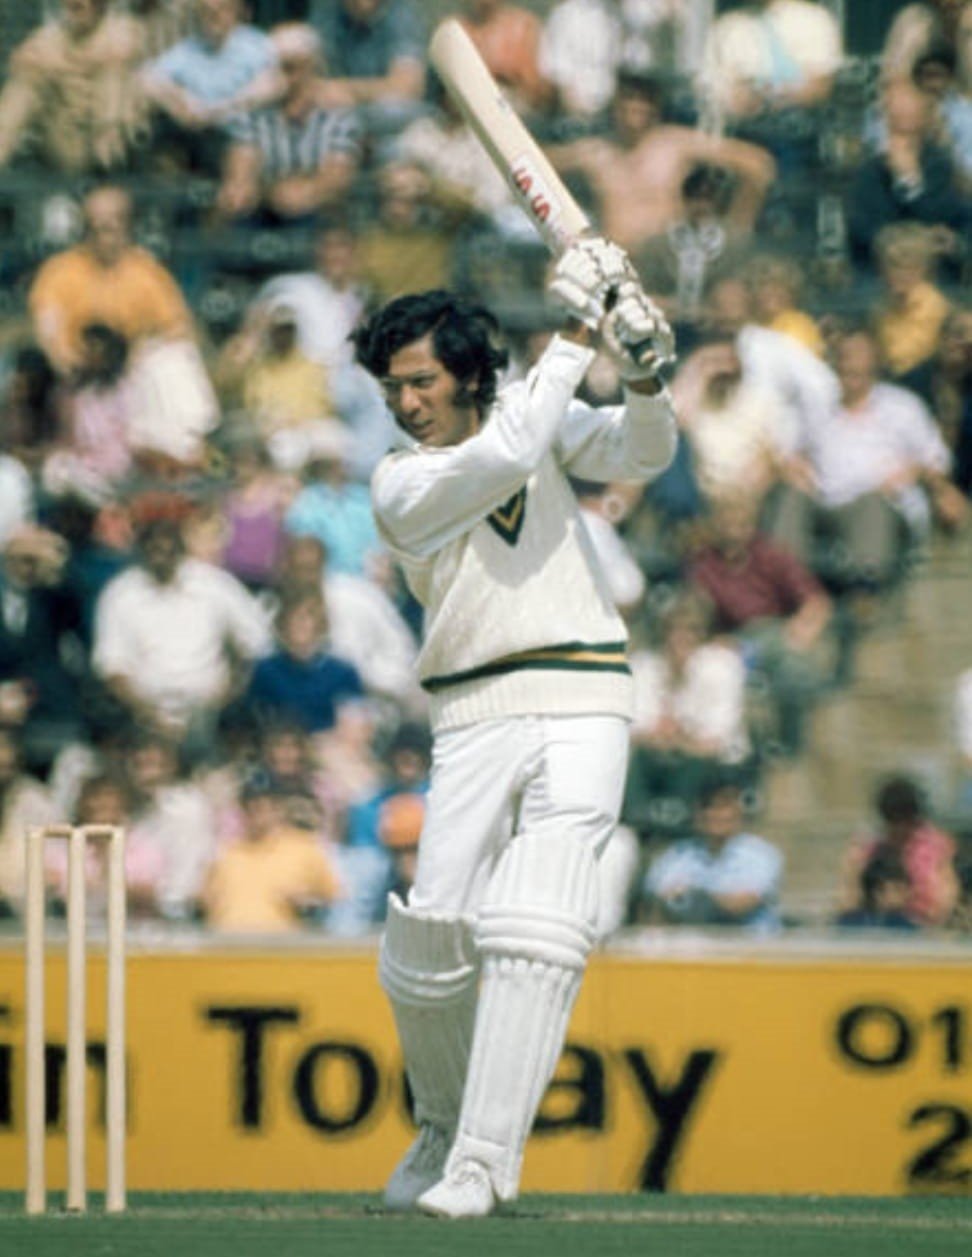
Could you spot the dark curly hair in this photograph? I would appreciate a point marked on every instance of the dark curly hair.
(462, 339)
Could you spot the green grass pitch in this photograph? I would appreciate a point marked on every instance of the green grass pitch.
(234, 1225)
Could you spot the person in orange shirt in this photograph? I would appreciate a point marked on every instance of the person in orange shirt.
(265, 882)
(105, 279)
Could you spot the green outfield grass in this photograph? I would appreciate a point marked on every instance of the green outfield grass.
(537, 1226)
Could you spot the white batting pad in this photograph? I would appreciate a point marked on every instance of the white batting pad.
(428, 968)
(535, 931)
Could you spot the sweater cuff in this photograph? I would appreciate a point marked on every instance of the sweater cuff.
(570, 355)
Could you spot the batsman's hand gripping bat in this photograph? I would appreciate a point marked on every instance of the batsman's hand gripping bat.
(517, 156)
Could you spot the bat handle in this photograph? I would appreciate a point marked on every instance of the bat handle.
(650, 349)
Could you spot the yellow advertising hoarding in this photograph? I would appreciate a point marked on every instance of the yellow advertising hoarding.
(279, 1071)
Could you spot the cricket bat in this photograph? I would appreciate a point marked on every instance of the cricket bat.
(514, 152)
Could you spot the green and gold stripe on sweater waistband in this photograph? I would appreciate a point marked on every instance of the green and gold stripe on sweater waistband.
(567, 657)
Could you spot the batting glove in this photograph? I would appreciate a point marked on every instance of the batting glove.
(584, 276)
(636, 334)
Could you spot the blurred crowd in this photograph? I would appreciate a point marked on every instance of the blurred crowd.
(202, 637)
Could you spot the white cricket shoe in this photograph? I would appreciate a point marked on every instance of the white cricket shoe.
(466, 1191)
(419, 1169)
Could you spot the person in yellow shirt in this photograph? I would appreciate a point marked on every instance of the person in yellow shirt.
(776, 284)
(267, 880)
(105, 279)
(282, 387)
(912, 311)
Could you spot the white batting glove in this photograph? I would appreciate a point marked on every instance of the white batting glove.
(636, 334)
(584, 275)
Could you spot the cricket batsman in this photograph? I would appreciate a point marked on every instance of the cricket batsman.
(530, 695)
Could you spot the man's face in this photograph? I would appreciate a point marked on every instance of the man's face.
(108, 215)
(424, 397)
(956, 343)
(298, 70)
(217, 18)
(720, 817)
(362, 11)
(80, 17)
(161, 554)
(634, 114)
(303, 564)
(723, 371)
(729, 306)
(856, 367)
(334, 256)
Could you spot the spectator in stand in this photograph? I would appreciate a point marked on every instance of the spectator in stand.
(739, 431)
(224, 68)
(348, 756)
(174, 637)
(40, 629)
(696, 249)
(776, 283)
(945, 384)
(364, 625)
(171, 831)
(905, 832)
(911, 178)
(935, 74)
(508, 38)
(301, 680)
(32, 414)
(882, 900)
(636, 171)
(767, 71)
(374, 51)
(775, 609)
(96, 456)
(287, 752)
(723, 874)
(412, 244)
(689, 716)
(804, 385)
(163, 23)
(273, 878)
(24, 803)
(443, 146)
(335, 509)
(284, 393)
(585, 43)
(103, 799)
(253, 512)
(106, 279)
(917, 28)
(382, 831)
(912, 309)
(881, 471)
(328, 302)
(290, 161)
(72, 99)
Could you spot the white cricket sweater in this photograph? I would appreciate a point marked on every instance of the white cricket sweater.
(518, 617)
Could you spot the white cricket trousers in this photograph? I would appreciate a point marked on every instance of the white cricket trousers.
(554, 776)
